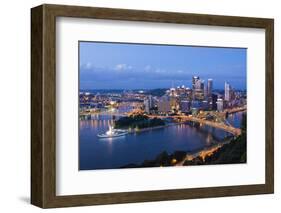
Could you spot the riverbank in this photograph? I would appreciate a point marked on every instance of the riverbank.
(230, 151)
(203, 153)
(154, 147)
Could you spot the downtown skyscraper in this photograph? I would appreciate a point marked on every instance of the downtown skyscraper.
(209, 87)
(227, 91)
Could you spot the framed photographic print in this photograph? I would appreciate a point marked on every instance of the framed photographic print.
(135, 106)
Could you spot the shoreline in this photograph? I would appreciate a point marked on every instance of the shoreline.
(203, 153)
(207, 151)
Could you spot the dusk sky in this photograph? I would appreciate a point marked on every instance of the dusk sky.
(138, 66)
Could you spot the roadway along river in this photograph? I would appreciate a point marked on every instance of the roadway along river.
(110, 153)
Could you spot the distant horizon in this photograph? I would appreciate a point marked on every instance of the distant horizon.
(110, 66)
(153, 89)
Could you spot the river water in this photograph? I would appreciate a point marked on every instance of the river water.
(111, 153)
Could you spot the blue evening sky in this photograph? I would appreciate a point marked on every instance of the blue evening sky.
(139, 66)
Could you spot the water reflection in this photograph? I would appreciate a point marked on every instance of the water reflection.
(97, 153)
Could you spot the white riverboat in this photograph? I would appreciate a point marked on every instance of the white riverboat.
(111, 133)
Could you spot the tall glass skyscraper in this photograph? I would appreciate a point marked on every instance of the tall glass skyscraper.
(227, 91)
(209, 87)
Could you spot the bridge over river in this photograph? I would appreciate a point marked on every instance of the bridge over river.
(219, 125)
(202, 120)
(89, 113)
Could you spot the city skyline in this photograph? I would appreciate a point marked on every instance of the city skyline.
(138, 66)
(161, 105)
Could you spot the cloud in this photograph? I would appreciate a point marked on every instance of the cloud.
(121, 76)
(88, 65)
(121, 67)
(117, 76)
(147, 68)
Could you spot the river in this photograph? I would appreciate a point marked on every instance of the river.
(111, 153)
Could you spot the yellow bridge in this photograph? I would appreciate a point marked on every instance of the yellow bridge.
(201, 120)
(227, 128)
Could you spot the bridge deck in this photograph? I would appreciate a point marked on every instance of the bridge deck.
(230, 129)
(227, 128)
